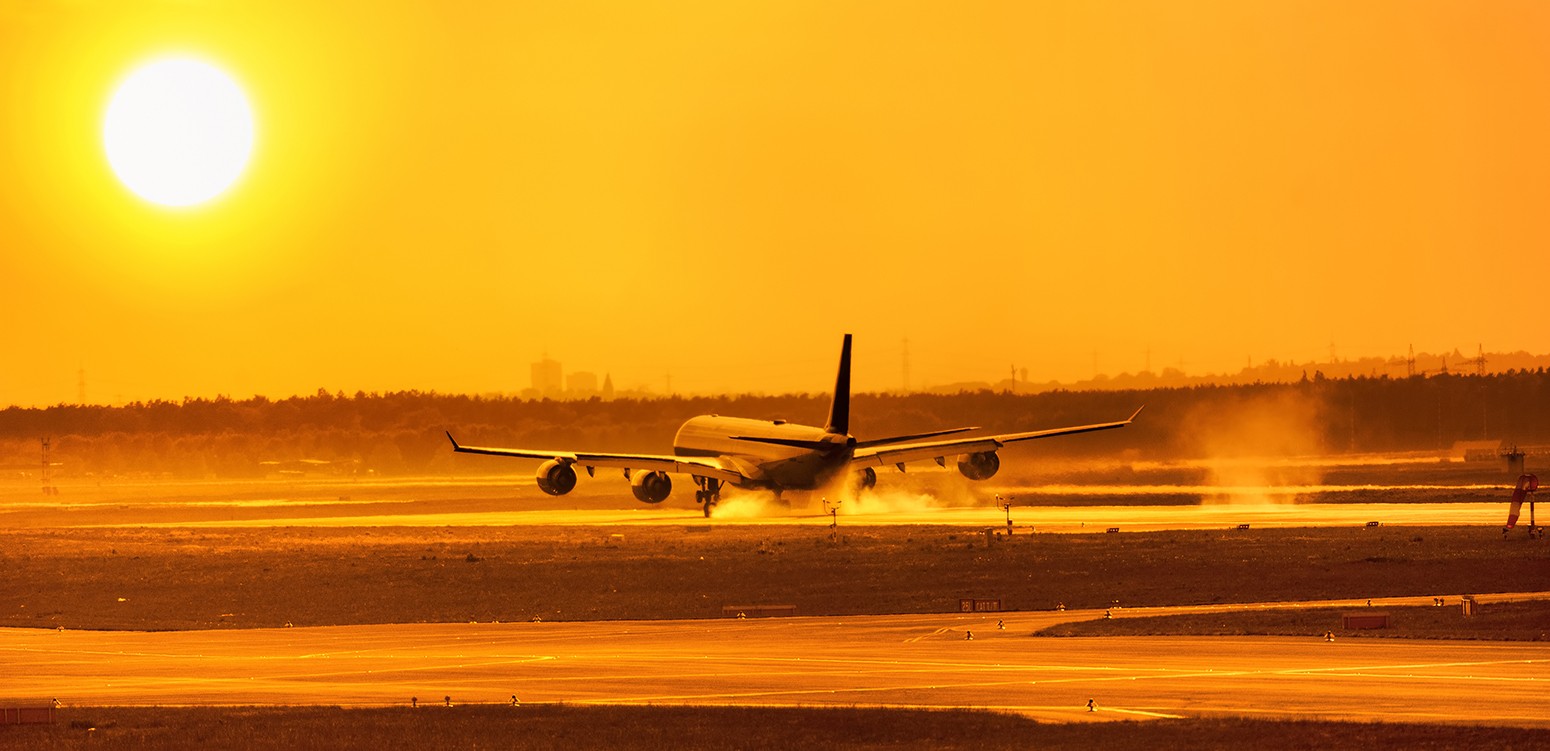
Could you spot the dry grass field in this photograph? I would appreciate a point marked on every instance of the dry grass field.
(266, 577)
(565, 728)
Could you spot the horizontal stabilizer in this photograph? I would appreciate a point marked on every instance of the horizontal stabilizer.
(792, 442)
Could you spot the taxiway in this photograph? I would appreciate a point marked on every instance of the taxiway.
(905, 660)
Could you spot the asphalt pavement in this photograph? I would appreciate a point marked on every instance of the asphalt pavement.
(895, 661)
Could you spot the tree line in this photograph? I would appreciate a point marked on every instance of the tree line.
(402, 432)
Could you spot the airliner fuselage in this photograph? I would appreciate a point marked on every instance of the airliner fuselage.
(750, 445)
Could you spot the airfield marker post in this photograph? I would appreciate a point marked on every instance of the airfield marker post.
(832, 508)
(1006, 505)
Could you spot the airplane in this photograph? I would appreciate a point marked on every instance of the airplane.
(776, 455)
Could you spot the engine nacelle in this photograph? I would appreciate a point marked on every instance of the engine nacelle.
(556, 478)
(981, 466)
(651, 487)
(866, 478)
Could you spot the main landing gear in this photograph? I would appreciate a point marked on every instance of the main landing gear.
(708, 494)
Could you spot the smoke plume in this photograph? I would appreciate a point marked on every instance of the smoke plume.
(1251, 445)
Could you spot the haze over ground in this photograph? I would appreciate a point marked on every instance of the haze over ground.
(437, 197)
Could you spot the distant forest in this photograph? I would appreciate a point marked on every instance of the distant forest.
(401, 433)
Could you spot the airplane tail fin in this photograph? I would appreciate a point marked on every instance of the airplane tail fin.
(839, 409)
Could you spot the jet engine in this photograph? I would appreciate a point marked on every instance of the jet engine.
(556, 478)
(651, 487)
(981, 466)
(866, 477)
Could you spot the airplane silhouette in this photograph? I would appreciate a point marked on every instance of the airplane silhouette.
(777, 455)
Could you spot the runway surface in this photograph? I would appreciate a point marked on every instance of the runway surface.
(910, 660)
(1260, 493)
(1041, 518)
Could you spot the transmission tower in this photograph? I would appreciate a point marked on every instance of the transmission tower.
(905, 364)
(1479, 360)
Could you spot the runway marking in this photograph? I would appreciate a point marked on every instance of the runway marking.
(1142, 712)
(1495, 717)
(1041, 710)
(422, 668)
(938, 632)
(810, 691)
(801, 692)
(1476, 663)
(97, 652)
(1431, 676)
(1159, 673)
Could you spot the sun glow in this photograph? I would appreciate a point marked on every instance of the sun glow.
(178, 132)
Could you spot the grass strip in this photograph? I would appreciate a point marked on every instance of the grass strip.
(626, 728)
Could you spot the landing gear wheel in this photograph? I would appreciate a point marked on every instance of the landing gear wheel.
(708, 494)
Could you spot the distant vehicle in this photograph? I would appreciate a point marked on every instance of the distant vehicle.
(776, 455)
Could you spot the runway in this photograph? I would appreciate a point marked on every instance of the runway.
(909, 660)
(1073, 519)
(932, 498)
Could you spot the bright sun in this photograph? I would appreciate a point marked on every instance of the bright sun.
(178, 132)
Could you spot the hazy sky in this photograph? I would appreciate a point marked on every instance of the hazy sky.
(440, 195)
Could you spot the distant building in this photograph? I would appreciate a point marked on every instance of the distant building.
(608, 387)
(581, 385)
(548, 378)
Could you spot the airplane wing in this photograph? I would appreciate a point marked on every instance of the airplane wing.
(908, 452)
(690, 465)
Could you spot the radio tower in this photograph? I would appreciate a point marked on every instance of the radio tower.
(905, 358)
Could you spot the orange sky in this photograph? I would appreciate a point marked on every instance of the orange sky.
(719, 190)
